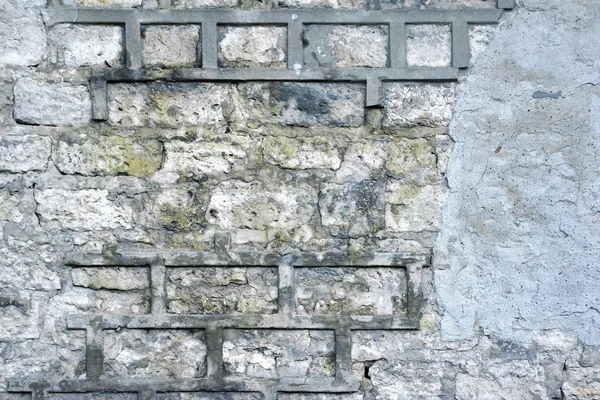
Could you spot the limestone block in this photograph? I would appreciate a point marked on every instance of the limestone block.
(44, 103)
(86, 46)
(183, 4)
(359, 45)
(414, 379)
(171, 45)
(167, 104)
(81, 210)
(24, 153)
(87, 301)
(276, 353)
(107, 155)
(252, 46)
(412, 161)
(352, 209)
(209, 396)
(428, 45)
(18, 316)
(413, 208)
(363, 160)
(582, 384)
(410, 106)
(22, 35)
(177, 209)
(138, 353)
(113, 278)
(302, 153)
(320, 396)
(92, 396)
(108, 3)
(214, 290)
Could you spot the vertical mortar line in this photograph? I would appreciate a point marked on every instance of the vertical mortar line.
(397, 44)
(373, 97)
(158, 273)
(94, 354)
(295, 48)
(414, 291)
(286, 292)
(99, 87)
(147, 394)
(461, 51)
(133, 43)
(343, 354)
(209, 44)
(214, 358)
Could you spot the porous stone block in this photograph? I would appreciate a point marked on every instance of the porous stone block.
(302, 153)
(582, 384)
(113, 278)
(169, 353)
(352, 209)
(24, 153)
(107, 155)
(86, 46)
(415, 380)
(18, 316)
(408, 106)
(413, 208)
(171, 45)
(183, 4)
(209, 396)
(279, 354)
(428, 45)
(412, 161)
(92, 396)
(44, 103)
(22, 35)
(254, 205)
(359, 45)
(214, 290)
(252, 46)
(177, 209)
(109, 3)
(167, 105)
(320, 396)
(350, 291)
(80, 300)
(301, 104)
(81, 210)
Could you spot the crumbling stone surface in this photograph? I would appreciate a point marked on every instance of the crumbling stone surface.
(409, 106)
(86, 46)
(345, 39)
(428, 45)
(171, 46)
(24, 153)
(254, 46)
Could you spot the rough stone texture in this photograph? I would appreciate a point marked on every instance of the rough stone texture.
(409, 106)
(86, 46)
(43, 103)
(92, 396)
(346, 39)
(253, 46)
(108, 3)
(155, 353)
(112, 155)
(428, 45)
(183, 4)
(119, 278)
(222, 290)
(413, 208)
(22, 33)
(351, 291)
(209, 396)
(166, 104)
(171, 45)
(272, 354)
(86, 301)
(24, 153)
(301, 153)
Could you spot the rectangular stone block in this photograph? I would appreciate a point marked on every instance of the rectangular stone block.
(38, 102)
(109, 3)
(412, 208)
(252, 46)
(184, 4)
(320, 396)
(351, 291)
(428, 45)
(92, 396)
(77, 46)
(407, 106)
(217, 290)
(209, 396)
(302, 153)
(141, 353)
(23, 35)
(113, 278)
(167, 105)
(279, 354)
(107, 155)
(171, 45)
(24, 153)
(82, 210)
(80, 300)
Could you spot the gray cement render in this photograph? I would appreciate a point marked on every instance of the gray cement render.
(519, 248)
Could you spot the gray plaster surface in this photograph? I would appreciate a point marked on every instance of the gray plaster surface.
(519, 245)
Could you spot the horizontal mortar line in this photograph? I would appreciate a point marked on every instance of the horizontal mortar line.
(230, 384)
(304, 16)
(245, 321)
(181, 258)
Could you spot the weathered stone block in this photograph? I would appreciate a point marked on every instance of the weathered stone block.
(24, 153)
(209, 396)
(167, 104)
(81, 210)
(171, 45)
(109, 3)
(352, 209)
(177, 209)
(22, 36)
(113, 278)
(412, 161)
(302, 153)
(252, 46)
(320, 396)
(92, 396)
(301, 104)
(138, 353)
(107, 155)
(19, 316)
(582, 384)
(410, 106)
(428, 45)
(479, 37)
(413, 208)
(276, 353)
(359, 45)
(415, 380)
(44, 103)
(86, 46)
(350, 291)
(214, 290)
(89, 301)
(183, 4)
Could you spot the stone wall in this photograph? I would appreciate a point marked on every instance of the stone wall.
(277, 203)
